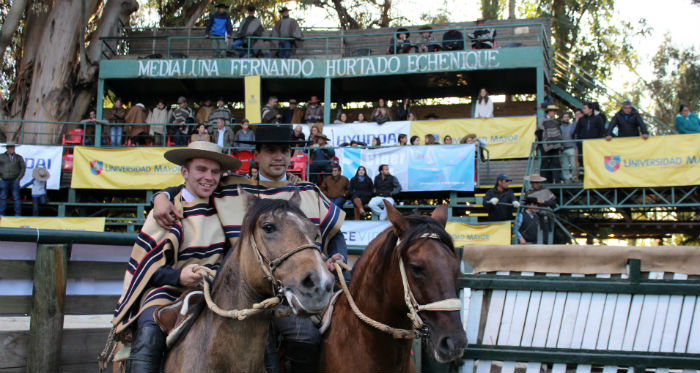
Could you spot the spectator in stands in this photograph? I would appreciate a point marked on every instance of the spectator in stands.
(201, 134)
(403, 109)
(597, 111)
(411, 116)
(204, 111)
(431, 116)
(219, 27)
(342, 119)
(426, 43)
(403, 139)
(500, 200)
(400, 44)
(117, 114)
(335, 187)
(453, 40)
(484, 105)
(321, 158)
(360, 118)
(156, 120)
(90, 126)
(386, 186)
(528, 223)
(447, 140)
(314, 131)
(269, 111)
(628, 122)
(415, 140)
(686, 122)
(548, 99)
(429, 139)
(180, 117)
(544, 196)
(578, 115)
(472, 138)
(253, 172)
(244, 134)
(250, 27)
(590, 126)
(483, 38)
(568, 153)
(38, 182)
(137, 132)
(314, 111)
(12, 169)
(360, 190)
(289, 29)
(380, 114)
(221, 112)
(292, 114)
(548, 129)
(299, 137)
(222, 135)
(376, 142)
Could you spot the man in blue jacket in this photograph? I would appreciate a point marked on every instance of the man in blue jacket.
(628, 122)
(219, 27)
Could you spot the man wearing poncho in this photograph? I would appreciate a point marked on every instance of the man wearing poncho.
(161, 262)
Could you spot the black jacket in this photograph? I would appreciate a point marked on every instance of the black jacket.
(529, 226)
(401, 113)
(386, 187)
(499, 212)
(628, 125)
(361, 189)
(590, 127)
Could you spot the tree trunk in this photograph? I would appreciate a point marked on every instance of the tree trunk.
(10, 25)
(196, 12)
(511, 9)
(490, 9)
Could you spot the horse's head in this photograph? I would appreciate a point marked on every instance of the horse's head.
(286, 241)
(432, 269)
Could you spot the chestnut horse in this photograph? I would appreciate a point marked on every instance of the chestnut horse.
(431, 267)
(271, 227)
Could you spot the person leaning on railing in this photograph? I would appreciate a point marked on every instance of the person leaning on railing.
(219, 26)
(568, 153)
(628, 122)
(90, 126)
(287, 28)
(426, 43)
(686, 122)
(483, 38)
(250, 26)
(453, 40)
(400, 43)
(181, 117)
(244, 134)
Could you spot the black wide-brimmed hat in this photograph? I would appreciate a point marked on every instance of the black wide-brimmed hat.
(274, 134)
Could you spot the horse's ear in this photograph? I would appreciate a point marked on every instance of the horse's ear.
(440, 214)
(296, 198)
(248, 198)
(397, 220)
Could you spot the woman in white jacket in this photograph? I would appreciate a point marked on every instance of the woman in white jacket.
(484, 105)
(157, 119)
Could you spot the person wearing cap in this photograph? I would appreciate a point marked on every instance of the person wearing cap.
(400, 43)
(162, 260)
(544, 196)
(292, 114)
(156, 120)
(426, 43)
(12, 169)
(288, 30)
(250, 27)
(453, 40)
(321, 158)
(483, 38)
(272, 154)
(527, 223)
(38, 182)
(181, 117)
(221, 112)
(136, 131)
(314, 111)
(549, 130)
(219, 28)
(628, 122)
(500, 200)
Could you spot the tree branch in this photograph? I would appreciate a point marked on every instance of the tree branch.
(10, 25)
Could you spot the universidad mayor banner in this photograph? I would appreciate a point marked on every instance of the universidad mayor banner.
(668, 160)
(72, 224)
(509, 137)
(134, 168)
(479, 234)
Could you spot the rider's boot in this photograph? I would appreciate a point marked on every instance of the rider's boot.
(272, 357)
(147, 350)
(303, 357)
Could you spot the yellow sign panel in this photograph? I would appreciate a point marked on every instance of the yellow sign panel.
(71, 224)
(133, 168)
(668, 160)
(482, 234)
(252, 98)
(510, 137)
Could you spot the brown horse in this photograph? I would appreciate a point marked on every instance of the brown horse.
(431, 267)
(272, 226)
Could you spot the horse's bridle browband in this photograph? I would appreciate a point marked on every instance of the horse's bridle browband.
(269, 266)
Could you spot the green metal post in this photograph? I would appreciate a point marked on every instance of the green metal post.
(539, 76)
(327, 100)
(473, 105)
(98, 112)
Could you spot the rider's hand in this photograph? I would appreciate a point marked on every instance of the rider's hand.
(333, 259)
(189, 278)
(164, 211)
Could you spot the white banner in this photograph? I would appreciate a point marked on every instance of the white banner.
(361, 232)
(388, 133)
(49, 157)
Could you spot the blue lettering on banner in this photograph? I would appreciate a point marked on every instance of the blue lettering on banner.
(38, 162)
(390, 138)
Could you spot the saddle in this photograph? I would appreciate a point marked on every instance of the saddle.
(176, 318)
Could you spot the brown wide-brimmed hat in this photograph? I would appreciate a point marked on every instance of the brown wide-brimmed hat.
(535, 178)
(322, 136)
(203, 149)
(551, 107)
(10, 143)
(181, 99)
(41, 174)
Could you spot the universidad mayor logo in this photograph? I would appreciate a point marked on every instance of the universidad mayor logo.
(612, 162)
(96, 167)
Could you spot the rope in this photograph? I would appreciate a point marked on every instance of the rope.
(107, 353)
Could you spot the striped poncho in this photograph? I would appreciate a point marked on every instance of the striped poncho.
(196, 239)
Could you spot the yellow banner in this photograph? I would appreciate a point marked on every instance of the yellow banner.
(481, 234)
(509, 137)
(668, 160)
(252, 98)
(133, 168)
(71, 224)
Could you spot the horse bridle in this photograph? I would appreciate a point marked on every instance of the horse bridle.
(269, 266)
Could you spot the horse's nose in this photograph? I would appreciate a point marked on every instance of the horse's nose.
(450, 346)
(313, 282)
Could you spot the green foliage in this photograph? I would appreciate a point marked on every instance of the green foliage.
(492, 9)
(358, 14)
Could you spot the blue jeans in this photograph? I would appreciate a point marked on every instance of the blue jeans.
(7, 187)
(240, 47)
(377, 206)
(285, 49)
(36, 201)
(339, 201)
(115, 135)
